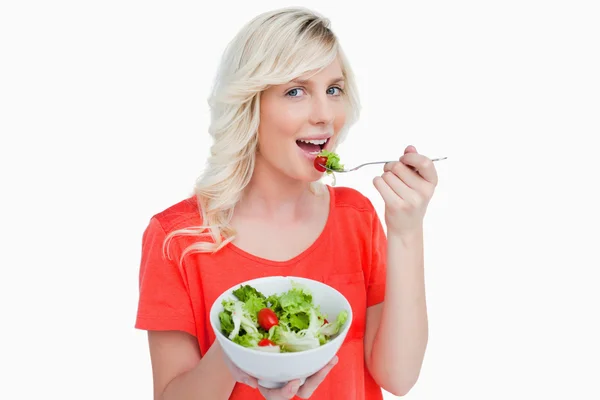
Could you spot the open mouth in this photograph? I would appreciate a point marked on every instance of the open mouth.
(312, 146)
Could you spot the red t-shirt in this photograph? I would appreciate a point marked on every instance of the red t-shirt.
(349, 255)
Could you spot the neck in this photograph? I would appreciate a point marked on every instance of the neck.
(271, 194)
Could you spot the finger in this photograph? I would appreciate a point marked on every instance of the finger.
(410, 149)
(409, 176)
(390, 197)
(313, 382)
(286, 392)
(248, 380)
(400, 188)
(423, 165)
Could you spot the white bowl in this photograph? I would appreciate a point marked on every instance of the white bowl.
(274, 370)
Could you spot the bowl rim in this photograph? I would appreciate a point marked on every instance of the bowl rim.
(332, 342)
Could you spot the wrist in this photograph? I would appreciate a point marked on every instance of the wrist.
(408, 238)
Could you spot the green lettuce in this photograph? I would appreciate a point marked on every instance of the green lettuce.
(301, 325)
(333, 161)
(332, 328)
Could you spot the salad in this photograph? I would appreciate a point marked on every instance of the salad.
(288, 322)
(328, 159)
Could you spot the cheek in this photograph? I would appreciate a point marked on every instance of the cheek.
(279, 124)
(291, 119)
(340, 119)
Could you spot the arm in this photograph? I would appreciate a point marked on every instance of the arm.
(397, 329)
(180, 373)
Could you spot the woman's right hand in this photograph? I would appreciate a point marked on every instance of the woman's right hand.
(290, 390)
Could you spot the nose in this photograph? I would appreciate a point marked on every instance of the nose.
(322, 112)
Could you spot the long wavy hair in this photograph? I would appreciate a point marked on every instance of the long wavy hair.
(272, 49)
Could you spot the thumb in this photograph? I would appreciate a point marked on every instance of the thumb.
(410, 149)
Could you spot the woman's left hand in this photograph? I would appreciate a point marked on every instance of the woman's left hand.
(407, 186)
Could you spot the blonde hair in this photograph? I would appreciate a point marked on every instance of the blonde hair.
(273, 48)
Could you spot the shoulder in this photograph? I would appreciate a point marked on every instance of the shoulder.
(182, 214)
(346, 197)
(353, 209)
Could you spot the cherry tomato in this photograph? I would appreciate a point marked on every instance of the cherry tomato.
(267, 318)
(319, 161)
(266, 342)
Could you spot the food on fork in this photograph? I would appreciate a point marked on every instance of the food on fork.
(328, 159)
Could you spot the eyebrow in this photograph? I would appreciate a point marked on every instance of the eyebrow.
(304, 81)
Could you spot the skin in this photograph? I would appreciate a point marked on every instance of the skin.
(397, 330)
(278, 203)
(305, 108)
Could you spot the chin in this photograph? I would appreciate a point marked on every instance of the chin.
(308, 176)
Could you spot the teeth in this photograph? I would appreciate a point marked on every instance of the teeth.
(317, 142)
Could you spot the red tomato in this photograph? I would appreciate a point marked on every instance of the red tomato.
(321, 160)
(267, 318)
(266, 342)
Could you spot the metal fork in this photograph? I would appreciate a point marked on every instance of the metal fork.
(371, 163)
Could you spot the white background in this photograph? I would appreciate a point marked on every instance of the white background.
(103, 118)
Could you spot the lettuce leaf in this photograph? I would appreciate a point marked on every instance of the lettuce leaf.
(332, 328)
(301, 325)
(290, 341)
(246, 291)
(333, 160)
(226, 322)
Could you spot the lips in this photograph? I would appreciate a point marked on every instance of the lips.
(317, 137)
(312, 145)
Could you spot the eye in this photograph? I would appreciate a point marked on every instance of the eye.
(332, 91)
(294, 92)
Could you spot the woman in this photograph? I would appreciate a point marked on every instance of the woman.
(285, 91)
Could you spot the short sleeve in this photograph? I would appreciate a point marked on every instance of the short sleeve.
(378, 265)
(164, 301)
